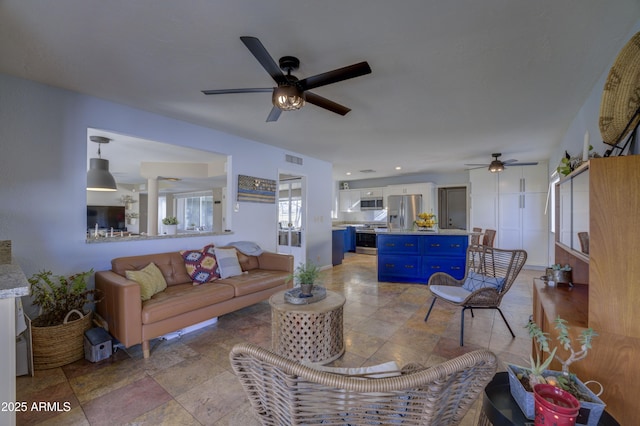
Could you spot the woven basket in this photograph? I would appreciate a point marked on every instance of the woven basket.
(59, 345)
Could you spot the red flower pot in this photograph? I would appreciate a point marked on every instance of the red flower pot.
(554, 406)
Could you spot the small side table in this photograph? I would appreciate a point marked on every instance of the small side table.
(500, 409)
(308, 333)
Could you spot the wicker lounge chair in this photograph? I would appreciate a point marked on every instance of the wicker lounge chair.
(285, 392)
(486, 265)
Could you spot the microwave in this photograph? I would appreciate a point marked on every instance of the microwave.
(371, 203)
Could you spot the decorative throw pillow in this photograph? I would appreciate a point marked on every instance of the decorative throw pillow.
(150, 279)
(379, 371)
(201, 264)
(477, 281)
(228, 264)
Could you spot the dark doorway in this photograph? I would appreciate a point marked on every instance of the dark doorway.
(452, 207)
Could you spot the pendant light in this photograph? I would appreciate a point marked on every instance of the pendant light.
(98, 176)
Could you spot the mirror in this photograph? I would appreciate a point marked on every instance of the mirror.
(189, 183)
(564, 218)
(580, 212)
(573, 210)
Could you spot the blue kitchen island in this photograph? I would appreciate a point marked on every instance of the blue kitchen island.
(413, 256)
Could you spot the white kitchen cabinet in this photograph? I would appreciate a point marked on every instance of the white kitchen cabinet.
(513, 203)
(427, 190)
(349, 200)
(371, 192)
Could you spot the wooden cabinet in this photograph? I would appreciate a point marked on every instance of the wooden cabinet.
(513, 203)
(609, 302)
(414, 258)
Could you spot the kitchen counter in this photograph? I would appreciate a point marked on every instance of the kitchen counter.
(444, 232)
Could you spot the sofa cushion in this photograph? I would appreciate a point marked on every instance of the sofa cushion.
(201, 265)
(170, 264)
(247, 263)
(183, 298)
(228, 265)
(150, 280)
(256, 280)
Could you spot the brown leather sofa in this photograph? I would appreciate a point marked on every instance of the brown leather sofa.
(133, 321)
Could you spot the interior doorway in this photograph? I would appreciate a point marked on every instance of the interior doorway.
(292, 216)
(452, 207)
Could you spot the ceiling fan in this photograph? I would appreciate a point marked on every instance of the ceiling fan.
(498, 166)
(291, 93)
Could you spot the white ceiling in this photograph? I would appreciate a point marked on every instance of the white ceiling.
(452, 81)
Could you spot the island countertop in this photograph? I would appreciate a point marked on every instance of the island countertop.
(441, 232)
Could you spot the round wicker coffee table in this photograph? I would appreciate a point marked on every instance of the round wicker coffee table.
(308, 333)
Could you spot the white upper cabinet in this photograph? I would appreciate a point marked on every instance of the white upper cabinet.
(349, 200)
(427, 190)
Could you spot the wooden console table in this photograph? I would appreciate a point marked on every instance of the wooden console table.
(308, 333)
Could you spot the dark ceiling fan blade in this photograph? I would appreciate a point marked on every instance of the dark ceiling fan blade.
(511, 160)
(345, 73)
(325, 103)
(477, 165)
(522, 164)
(258, 50)
(274, 114)
(249, 90)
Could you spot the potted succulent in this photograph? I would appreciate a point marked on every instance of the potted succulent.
(522, 379)
(559, 274)
(170, 225)
(132, 218)
(57, 333)
(305, 276)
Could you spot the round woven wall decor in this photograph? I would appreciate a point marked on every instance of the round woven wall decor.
(621, 95)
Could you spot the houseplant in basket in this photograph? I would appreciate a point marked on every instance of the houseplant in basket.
(306, 275)
(522, 379)
(57, 333)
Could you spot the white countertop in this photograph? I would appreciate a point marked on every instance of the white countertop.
(441, 232)
(13, 282)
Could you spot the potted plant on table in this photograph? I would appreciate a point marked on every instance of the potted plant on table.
(305, 275)
(522, 379)
(170, 225)
(58, 332)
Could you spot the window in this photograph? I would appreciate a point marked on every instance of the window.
(195, 211)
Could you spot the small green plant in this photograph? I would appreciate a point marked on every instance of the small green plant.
(558, 267)
(170, 220)
(306, 273)
(542, 341)
(57, 295)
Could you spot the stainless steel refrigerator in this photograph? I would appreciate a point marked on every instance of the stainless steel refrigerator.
(402, 211)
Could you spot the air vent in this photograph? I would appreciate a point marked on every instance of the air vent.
(293, 159)
(367, 171)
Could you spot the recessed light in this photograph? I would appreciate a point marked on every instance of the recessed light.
(398, 168)
(348, 173)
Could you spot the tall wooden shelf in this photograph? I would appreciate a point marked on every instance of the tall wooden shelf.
(610, 296)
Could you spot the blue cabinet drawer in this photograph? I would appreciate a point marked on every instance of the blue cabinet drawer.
(399, 266)
(396, 244)
(453, 266)
(445, 245)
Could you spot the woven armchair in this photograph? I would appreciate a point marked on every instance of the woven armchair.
(490, 262)
(285, 392)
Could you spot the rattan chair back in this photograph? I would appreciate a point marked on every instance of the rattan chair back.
(285, 392)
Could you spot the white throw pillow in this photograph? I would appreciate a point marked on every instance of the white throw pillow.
(228, 264)
(388, 369)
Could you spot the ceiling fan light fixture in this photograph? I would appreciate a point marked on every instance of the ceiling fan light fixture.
(288, 98)
(496, 166)
(98, 176)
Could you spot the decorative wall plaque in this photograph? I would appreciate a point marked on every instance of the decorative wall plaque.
(256, 190)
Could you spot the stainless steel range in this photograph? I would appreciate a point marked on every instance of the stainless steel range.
(366, 240)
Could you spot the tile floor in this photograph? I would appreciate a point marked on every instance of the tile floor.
(189, 381)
